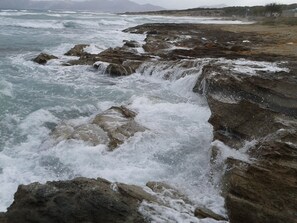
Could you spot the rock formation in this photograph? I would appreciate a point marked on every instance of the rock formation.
(253, 105)
(43, 58)
(77, 50)
(97, 200)
(112, 127)
(78, 200)
(260, 107)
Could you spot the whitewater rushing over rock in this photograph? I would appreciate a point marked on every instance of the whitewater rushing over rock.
(172, 146)
(104, 123)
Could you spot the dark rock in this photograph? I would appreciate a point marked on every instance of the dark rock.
(119, 70)
(264, 191)
(3, 218)
(119, 56)
(77, 50)
(133, 64)
(206, 213)
(43, 58)
(78, 200)
(247, 106)
(131, 43)
(260, 106)
(201, 40)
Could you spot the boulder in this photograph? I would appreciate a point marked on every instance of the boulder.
(112, 127)
(119, 70)
(77, 50)
(119, 55)
(78, 200)
(119, 124)
(116, 56)
(43, 58)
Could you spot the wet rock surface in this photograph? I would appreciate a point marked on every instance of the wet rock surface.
(96, 200)
(206, 213)
(78, 200)
(265, 191)
(112, 127)
(175, 42)
(43, 58)
(77, 50)
(257, 106)
(254, 112)
(119, 124)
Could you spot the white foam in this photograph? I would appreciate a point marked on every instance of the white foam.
(6, 88)
(36, 24)
(93, 49)
(175, 149)
(249, 67)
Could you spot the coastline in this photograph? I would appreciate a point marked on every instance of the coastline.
(243, 97)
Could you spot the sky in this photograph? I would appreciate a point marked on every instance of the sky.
(182, 4)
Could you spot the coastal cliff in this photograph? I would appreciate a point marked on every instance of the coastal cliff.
(251, 93)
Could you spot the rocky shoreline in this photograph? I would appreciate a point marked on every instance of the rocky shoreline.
(252, 95)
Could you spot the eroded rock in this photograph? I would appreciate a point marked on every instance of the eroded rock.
(78, 200)
(267, 187)
(119, 70)
(112, 127)
(119, 124)
(264, 191)
(77, 50)
(247, 106)
(260, 105)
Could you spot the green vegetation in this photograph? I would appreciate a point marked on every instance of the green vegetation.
(254, 12)
(273, 9)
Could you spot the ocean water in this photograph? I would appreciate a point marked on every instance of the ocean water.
(35, 98)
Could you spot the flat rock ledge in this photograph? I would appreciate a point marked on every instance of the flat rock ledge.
(173, 42)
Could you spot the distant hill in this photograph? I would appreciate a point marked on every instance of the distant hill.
(116, 6)
(214, 6)
(238, 11)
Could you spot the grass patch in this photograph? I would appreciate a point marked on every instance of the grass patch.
(290, 21)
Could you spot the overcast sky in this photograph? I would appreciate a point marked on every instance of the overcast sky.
(196, 3)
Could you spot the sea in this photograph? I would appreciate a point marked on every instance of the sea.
(35, 98)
